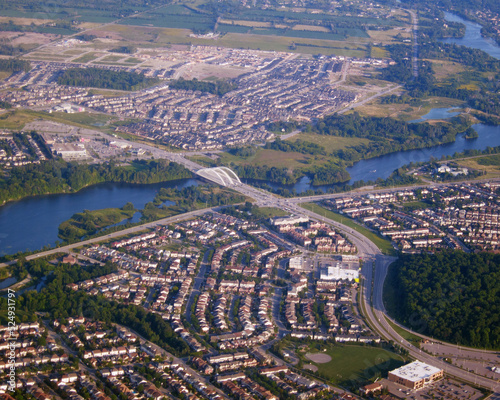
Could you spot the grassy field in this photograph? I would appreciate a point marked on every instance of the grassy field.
(86, 58)
(19, 118)
(157, 37)
(444, 69)
(76, 228)
(330, 143)
(383, 244)
(271, 158)
(490, 164)
(15, 119)
(404, 333)
(354, 365)
(270, 212)
(390, 298)
(406, 112)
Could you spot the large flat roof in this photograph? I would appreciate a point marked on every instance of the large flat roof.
(415, 371)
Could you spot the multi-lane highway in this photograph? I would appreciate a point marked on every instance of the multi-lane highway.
(374, 268)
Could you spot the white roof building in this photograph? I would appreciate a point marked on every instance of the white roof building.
(415, 375)
(338, 272)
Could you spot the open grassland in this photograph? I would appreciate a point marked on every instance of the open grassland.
(489, 164)
(159, 37)
(378, 52)
(389, 36)
(383, 244)
(445, 69)
(271, 158)
(354, 365)
(15, 119)
(330, 143)
(19, 118)
(406, 112)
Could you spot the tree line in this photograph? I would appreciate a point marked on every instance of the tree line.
(14, 65)
(105, 79)
(58, 176)
(219, 87)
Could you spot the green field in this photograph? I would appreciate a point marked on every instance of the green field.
(353, 365)
(90, 222)
(271, 158)
(383, 244)
(330, 143)
(86, 58)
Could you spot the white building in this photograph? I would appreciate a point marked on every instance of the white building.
(415, 375)
(338, 272)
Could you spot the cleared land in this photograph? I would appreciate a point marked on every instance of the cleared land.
(490, 164)
(319, 358)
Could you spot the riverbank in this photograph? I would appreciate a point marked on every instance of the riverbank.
(57, 176)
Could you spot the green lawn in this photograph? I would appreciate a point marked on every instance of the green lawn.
(354, 365)
(404, 333)
(383, 244)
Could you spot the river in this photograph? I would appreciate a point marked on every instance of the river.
(472, 37)
(32, 223)
(383, 166)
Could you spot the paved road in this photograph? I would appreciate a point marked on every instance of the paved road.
(376, 318)
(68, 248)
(200, 278)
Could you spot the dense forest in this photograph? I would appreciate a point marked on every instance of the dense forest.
(58, 176)
(452, 295)
(104, 78)
(14, 65)
(218, 87)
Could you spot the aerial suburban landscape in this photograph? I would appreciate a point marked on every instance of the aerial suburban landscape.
(235, 199)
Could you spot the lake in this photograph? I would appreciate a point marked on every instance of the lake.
(472, 37)
(32, 223)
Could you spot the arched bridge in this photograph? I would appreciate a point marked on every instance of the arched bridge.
(222, 175)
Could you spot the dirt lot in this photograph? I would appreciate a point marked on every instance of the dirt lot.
(18, 38)
(319, 358)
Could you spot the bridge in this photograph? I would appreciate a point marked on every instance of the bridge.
(222, 175)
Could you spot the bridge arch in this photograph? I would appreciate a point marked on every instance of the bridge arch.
(222, 175)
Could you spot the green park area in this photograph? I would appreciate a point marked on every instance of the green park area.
(351, 365)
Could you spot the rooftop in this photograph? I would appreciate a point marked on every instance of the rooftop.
(415, 371)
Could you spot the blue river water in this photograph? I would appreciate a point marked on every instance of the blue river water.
(472, 37)
(32, 223)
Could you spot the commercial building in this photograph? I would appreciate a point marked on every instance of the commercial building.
(337, 272)
(70, 151)
(415, 375)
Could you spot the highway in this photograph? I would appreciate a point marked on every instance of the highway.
(374, 268)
